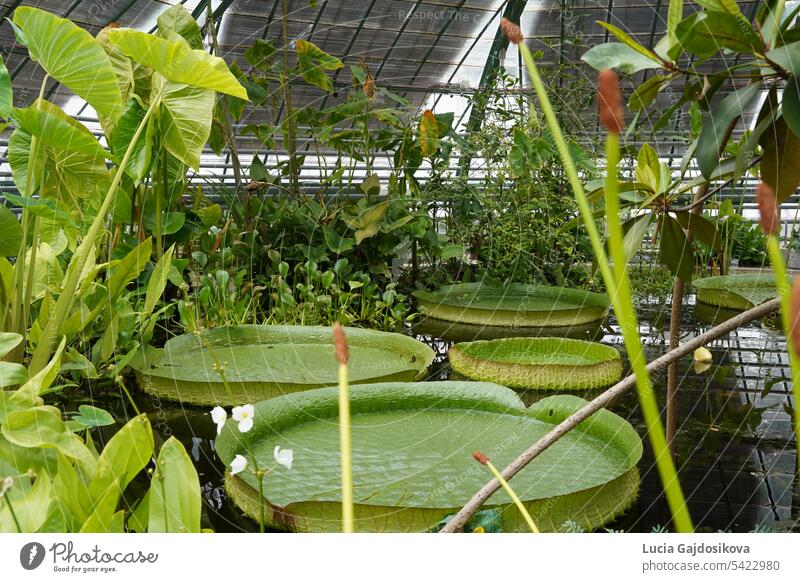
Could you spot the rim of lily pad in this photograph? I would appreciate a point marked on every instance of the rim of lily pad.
(467, 332)
(265, 361)
(514, 304)
(538, 363)
(412, 464)
(739, 292)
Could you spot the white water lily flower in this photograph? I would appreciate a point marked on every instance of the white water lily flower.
(284, 457)
(238, 464)
(244, 416)
(219, 416)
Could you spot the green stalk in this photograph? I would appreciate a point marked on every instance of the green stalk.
(784, 291)
(619, 292)
(514, 497)
(45, 348)
(19, 308)
(346, 450)
(13, 513)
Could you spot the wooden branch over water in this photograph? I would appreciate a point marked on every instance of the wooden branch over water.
(463, 516)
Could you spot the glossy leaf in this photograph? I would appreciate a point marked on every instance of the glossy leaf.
(8, 341)
(790, 104)
(91, 416)
(624, 38)
(186, 117)
(10, 232)
(56, 132)
(780, 160)
(704, 34)
(120, 138)
(158, 281)
(128, 269)
(127, 453)
(313, 62)
(41, 427)
(787, 57)
(177, 61)
(674, 250)
(645, 93)
(715, 126)
(635, 233)
(619, 56)
(174, 498)
(72, 56)
(701, 228)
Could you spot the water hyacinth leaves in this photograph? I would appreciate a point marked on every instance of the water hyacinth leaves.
(405, 465)
(266, 361)
(515, 304)
(70, 55)
(538, 363)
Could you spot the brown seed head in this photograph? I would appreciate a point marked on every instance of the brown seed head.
(480, 457)
(794, 333)
(512, 31)
(609, 102)
(340, 343)
(768, 208)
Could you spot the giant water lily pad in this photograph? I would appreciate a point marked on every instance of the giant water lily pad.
(467, 332)
(412, 465)
(514, 304)
(538, 363)
(264, 361)
(739, 292)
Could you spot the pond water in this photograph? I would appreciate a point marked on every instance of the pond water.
(736, 446)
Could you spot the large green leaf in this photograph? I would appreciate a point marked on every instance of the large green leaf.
(56, 132)
(177, 61)
(540, 363)
(428, 134)
(72, 56)
(174, 499)
(614, 55)
(515, 304)
(158, 281)
(701, 228)
(704, 34)
(176, 19)
(790, 104)
(725, 6)
(6, 95)
(127, 453)
(266, 361)
(8, 341)
(186, 117)
(674, 251)
(128, 269)
(41, 427)
(780, 160)
(10, 232)
(741, 291)
(624, 38)
(412, 456)
(120, 137)
(787, 57)
(715, 126)
(313, 62)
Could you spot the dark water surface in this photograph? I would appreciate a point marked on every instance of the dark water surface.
(736, 446)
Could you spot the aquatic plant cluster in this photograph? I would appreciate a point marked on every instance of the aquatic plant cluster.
(292, 317)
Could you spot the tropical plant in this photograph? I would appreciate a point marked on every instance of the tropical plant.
(55, 480)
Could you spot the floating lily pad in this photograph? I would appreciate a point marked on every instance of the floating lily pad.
(514, 304)
(264, 361)
(412, 464)
(739, 292)
(467, 332)
(538, 363)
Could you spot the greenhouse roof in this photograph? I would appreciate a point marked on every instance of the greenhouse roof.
(434, 53)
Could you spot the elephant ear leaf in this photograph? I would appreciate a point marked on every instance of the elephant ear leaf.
(71, 56)
(177, 61)
(313, 62)
(179, 20)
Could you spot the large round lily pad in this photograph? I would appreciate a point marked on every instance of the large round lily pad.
(514, 304)
(538, 363)
(264, 361)
(739, 292)
(412, 465)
